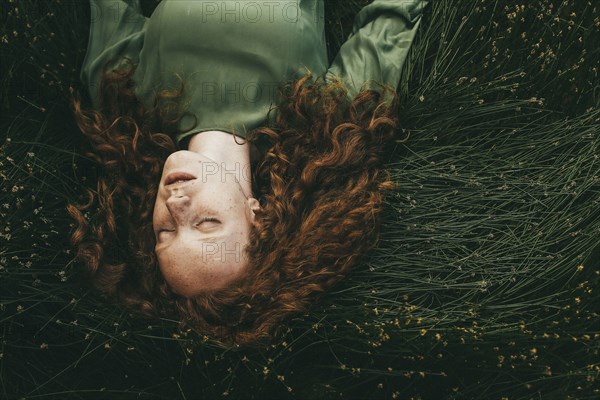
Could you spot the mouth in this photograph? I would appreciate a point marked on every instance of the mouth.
(177, 179)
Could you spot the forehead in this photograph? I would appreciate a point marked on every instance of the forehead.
(209, 266)
(207, 247)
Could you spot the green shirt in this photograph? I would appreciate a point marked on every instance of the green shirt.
(234, 54)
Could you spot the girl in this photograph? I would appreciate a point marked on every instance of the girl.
(243, 171)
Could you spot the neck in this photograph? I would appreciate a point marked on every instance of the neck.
(228, 152)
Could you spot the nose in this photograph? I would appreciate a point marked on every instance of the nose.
(177, 204)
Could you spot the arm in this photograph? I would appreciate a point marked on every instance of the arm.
(116, 29)
(378, 45)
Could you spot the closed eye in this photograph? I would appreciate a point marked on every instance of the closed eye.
(210, 220)
(208, 225)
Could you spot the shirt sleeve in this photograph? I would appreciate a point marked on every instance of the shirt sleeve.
(116, 29)
(377, 47)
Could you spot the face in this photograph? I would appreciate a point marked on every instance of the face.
(202, 224)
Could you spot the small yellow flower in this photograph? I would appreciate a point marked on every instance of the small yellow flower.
(533, 351)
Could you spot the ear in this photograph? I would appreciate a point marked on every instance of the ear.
(255, 208)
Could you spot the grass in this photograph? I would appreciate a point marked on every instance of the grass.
(484, 284)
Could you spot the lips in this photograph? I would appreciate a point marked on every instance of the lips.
(177, 179)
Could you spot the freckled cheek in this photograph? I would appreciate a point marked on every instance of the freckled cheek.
(155, 213)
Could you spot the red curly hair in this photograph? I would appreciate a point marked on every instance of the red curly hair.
(321, 184)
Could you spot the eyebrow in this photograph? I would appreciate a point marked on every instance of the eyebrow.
(159, 249)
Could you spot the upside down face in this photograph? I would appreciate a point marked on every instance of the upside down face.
(202, 221)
